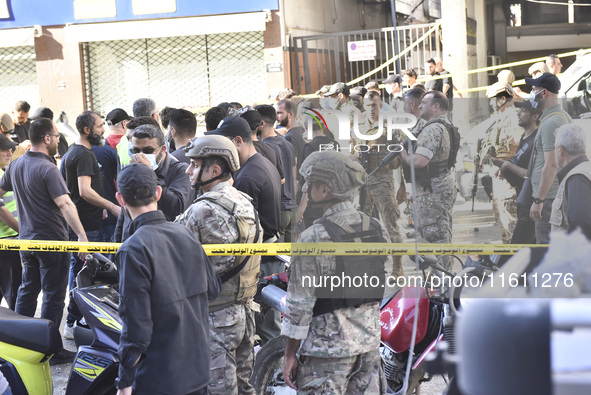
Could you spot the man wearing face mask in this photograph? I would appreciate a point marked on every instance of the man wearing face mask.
(501, 142)
(148, 147)
(83, 177)
(393, 89)
(223, 215)
(544, 96)
(339, 100)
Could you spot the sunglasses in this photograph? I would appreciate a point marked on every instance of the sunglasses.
(145, 150)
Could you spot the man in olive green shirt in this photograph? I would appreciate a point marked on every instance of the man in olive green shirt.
(544, 95)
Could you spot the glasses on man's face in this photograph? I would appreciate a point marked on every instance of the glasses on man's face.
(145, 150)
(51, 135)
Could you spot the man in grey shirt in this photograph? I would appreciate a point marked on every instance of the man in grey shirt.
(544, 95)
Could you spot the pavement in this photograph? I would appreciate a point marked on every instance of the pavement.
(468, 228)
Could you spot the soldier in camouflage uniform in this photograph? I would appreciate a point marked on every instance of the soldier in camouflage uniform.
(436, 187)
(223, 215)
(501, 141)
(338, 349)
(380, 187)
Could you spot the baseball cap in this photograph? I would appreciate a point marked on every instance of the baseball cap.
(547, 81)
(117, 115)
(339, 87)
(323, 90)
(253, 118)
(392, 79)
(134, 176)
(6, 143)
(527, 105)
(6, 123)
(232, 127)
(359, 91)
(372, 85)
(42, 112)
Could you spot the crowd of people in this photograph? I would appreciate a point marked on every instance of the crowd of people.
(260, 174)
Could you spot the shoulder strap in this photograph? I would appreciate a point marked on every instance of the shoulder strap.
(230, 206)
(235, 270)
(220, 199)
(554, 113)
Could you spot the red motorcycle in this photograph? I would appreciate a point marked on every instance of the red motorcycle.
(434, 324)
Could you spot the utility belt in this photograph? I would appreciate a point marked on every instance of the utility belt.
(427, 173)
(437, 169)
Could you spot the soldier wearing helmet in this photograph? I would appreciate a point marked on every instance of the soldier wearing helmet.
(334, 334)
(500, 139)
(223, 215)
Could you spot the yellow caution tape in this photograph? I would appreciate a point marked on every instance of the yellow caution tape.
(310, 249)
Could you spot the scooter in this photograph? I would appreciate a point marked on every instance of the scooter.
(27, 344)
(435, 314)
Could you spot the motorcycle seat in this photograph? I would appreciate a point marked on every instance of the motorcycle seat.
(37, 334)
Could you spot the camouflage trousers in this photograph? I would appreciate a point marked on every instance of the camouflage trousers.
(360, 374)
(505, 208)
(231, 350)
(434, 213)
(381, 193)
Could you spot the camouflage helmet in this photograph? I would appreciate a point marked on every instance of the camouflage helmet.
(499, 87)
(213, 145)
(342, 173)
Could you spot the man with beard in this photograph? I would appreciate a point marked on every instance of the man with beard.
(45, 207)
(21, 123)
(83, 177)
(543, 169)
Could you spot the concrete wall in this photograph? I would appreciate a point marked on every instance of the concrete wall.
(274, 54)
(59, 73)
(307, 17)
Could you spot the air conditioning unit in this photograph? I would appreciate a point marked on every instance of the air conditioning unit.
(493, 60)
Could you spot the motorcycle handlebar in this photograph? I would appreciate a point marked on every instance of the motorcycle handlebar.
(100, 262)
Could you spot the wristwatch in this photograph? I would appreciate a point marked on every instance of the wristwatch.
(538, 201)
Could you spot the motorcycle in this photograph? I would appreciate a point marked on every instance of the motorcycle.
(27, 344)
(435, 311)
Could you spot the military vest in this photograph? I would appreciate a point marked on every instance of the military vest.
(240, 282)
(558, 218)
(354, 267)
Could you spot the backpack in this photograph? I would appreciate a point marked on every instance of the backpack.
(243, 225)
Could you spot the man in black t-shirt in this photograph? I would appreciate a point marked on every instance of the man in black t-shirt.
(431, 70)
(107, 159)
(44, 209)
(283, 150)
(182, 127)
(515, 169)
(83, 178)
(255, 122)
(21, 123)
(447, 84)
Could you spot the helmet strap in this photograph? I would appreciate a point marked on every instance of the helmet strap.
(198, 184)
